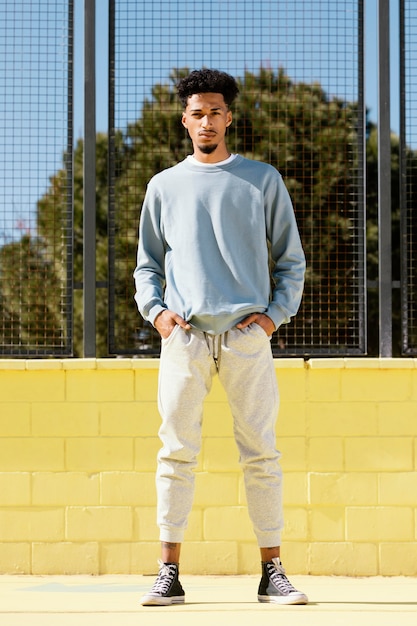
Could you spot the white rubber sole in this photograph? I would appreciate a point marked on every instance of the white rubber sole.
(149, 600)
(292, 598)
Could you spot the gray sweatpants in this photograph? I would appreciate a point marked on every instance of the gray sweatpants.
(244, 363)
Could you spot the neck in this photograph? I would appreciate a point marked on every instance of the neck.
(221, 153)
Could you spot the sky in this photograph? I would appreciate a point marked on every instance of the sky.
(371, 64)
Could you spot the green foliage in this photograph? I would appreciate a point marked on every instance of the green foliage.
(31, 296)
(312, 141)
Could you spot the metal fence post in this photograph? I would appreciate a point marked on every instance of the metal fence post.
(89, 227)
(384, 185)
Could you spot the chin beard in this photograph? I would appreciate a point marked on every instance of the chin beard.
(207, 149)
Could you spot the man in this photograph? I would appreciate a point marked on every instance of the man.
(208, 227)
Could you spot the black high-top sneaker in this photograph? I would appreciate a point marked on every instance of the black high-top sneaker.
(275, 586)
(167, 588)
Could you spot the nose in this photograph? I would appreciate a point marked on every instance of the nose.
(206, 121)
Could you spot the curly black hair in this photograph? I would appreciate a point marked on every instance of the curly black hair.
(207, 81)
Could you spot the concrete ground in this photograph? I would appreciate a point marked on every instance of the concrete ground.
(214, 600)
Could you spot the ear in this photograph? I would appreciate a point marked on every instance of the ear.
(184, 120)
(229, 118)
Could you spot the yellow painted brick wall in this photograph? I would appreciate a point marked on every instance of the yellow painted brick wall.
(78, 444)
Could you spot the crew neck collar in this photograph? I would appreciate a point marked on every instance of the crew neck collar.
(194, 161)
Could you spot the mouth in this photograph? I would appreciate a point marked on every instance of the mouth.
(206, 134)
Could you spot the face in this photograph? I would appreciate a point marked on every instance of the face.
(206, 118)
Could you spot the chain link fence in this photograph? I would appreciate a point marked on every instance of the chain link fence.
(300, 68)
(36, 60)
(408, 37)
(301, 108)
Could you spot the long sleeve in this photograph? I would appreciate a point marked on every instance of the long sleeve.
(286, 252)
(149, 274)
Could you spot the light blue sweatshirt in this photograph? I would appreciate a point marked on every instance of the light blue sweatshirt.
(203, 249)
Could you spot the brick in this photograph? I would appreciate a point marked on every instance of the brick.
(217, 393)
(12, 364)
(220, 455)
(343, 559)
(290, 363)
(295, 524)
(43, 364)
(79, 364)
(398, 419)
(295, 556)
(396, 363)
(327, 523)
(343, 488)
(114, 364)
(249, 558)
(398, 559)
(150, 364)
(130, 558)
(14, 419)
(15, 558)
(372, 363)
(146, 450)
(65, 488)
(242, 491)
(227, 524)
(32, 386)
(324, 385)
(213, 489)
(217, 420)
(291, 384)
(128, 488)
(15, 489)
(216, 558)
(342, 419)
(398, 488)
(63, 419)
(145, 526)
(24, 524)
(95, 455)
(325, 454)
(195, 527)
(31, 454)
(100, 385)
(65, 558)
(291, 419)
(129, 419)
(295, 489)
(326, 364)
(378, 454)
(145, 385)
(376, 385)
(360, 363)
(293, 453)
(99, 524)
(380, 524)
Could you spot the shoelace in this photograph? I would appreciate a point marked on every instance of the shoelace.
(164, 580)
(277, 575)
